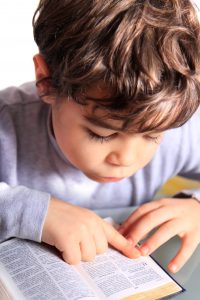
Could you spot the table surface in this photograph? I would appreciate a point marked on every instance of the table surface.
(188, 277)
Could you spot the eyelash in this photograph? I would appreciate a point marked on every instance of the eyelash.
(102, 139)
(153, 139)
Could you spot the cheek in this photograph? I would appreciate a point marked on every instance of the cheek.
(73, 141)
(68, 142)
(148, 153)
(92, 154)
(83, 153)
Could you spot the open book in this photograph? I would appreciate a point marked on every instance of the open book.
(33, 271)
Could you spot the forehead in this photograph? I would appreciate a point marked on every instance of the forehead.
(120, 119)
(94, 113)
(100, 117)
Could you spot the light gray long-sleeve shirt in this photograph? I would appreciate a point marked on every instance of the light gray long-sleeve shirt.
(32, 167)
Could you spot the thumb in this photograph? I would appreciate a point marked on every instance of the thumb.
(119, 242)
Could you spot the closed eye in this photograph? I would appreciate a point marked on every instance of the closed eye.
(155, 139)
(99, 138)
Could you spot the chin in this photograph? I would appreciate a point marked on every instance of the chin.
(102, 179)
(94, 177)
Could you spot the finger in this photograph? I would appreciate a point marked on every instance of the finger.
(71, 253)
(164, 233)
(137, 214)
(101, 242)
(87, 247)
(119, 242)
(148, 222)
(189, 244)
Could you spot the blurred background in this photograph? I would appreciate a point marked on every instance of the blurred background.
(17, 46)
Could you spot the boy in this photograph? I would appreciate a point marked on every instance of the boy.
(119, 82)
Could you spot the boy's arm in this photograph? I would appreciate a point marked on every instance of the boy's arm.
(22, 212)
(78, 233)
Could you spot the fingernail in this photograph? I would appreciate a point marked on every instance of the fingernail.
(135, 251)
(172, 267)
(144, 250)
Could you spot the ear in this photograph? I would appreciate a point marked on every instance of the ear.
(42, 71)
(41, 68)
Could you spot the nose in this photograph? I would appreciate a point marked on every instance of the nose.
(123, 158)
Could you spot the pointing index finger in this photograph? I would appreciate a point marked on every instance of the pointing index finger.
(119, 242)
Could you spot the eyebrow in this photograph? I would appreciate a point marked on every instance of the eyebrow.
(102, 123)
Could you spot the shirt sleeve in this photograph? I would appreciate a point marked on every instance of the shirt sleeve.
(189, 153)
(22, 212)
(189, 156)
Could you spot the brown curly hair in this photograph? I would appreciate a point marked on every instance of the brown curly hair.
(146, 52)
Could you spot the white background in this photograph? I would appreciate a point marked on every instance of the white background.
(17, 45)
(16, 41)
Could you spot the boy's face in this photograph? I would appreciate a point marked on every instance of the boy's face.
(99, 150)
(102, 153)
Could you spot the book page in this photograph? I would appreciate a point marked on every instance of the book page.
(118, 277)
(39, 273)
(8, 289)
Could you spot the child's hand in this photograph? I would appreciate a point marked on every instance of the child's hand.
(170, 217)
(80, 234)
